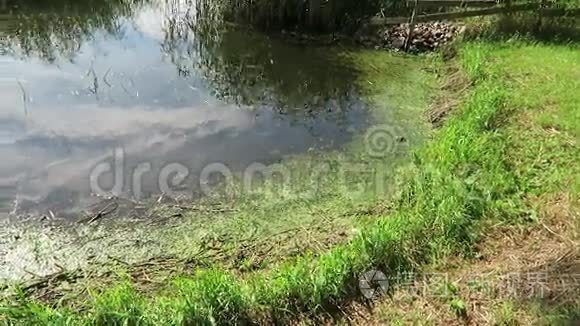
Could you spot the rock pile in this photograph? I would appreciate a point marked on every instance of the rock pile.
(425, 36)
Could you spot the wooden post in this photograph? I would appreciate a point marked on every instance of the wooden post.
(411, 27)
(508, 5)
(539, 23)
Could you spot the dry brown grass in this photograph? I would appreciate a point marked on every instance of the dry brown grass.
(524, 265)
(453, 87)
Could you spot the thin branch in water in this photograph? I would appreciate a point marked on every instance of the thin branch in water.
(96, 84)
(126, 91)
(24, 97)
(105, 77)
(90, 68)
(95, 88)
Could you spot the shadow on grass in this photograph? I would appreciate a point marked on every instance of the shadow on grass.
(548, 30)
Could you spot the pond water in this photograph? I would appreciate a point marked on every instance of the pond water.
(95, 97)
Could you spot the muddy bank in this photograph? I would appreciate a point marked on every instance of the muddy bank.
(425, 37)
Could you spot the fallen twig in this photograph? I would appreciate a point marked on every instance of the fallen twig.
(102, 213)
(205, 210)
(558, 235)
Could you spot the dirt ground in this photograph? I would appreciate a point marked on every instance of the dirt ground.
(522, 275)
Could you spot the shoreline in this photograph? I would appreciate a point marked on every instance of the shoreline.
(479, 169)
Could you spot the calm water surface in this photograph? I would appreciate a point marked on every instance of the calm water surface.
(78, 81)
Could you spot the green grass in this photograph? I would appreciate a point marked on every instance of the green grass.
(544, 84)
(505, 315)
(511, 313)
(478, 167)
(538, 126)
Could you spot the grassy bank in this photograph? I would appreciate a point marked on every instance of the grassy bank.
(539, 232)
(476, 168)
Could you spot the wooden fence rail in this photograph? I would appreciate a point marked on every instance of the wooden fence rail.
(452, 3)
(496, 9)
